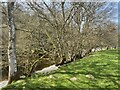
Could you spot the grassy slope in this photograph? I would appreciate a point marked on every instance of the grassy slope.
(103, 66)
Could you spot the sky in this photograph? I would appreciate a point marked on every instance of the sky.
(67, 0)
(115, 16)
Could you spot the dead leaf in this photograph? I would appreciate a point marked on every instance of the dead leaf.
(73, 79)
(90, 76)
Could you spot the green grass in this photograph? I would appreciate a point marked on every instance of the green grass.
(103, 66)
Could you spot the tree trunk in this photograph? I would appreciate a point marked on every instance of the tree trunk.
(11, 43)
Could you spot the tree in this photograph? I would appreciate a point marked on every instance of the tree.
(11, 45)
(65, 21)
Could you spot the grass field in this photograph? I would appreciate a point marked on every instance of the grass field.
(98, 70)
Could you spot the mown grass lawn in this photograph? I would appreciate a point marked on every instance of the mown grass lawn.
(98, 70)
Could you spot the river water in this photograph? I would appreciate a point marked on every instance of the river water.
(3, 83)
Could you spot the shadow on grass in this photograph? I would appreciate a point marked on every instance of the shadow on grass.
(104, 70)
(101, 65)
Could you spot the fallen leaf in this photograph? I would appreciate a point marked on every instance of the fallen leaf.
(90, 76)
(73, 79)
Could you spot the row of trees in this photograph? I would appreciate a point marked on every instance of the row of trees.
(55, 33)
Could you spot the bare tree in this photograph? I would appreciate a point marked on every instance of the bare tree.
(11, 46)
(54, 31)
